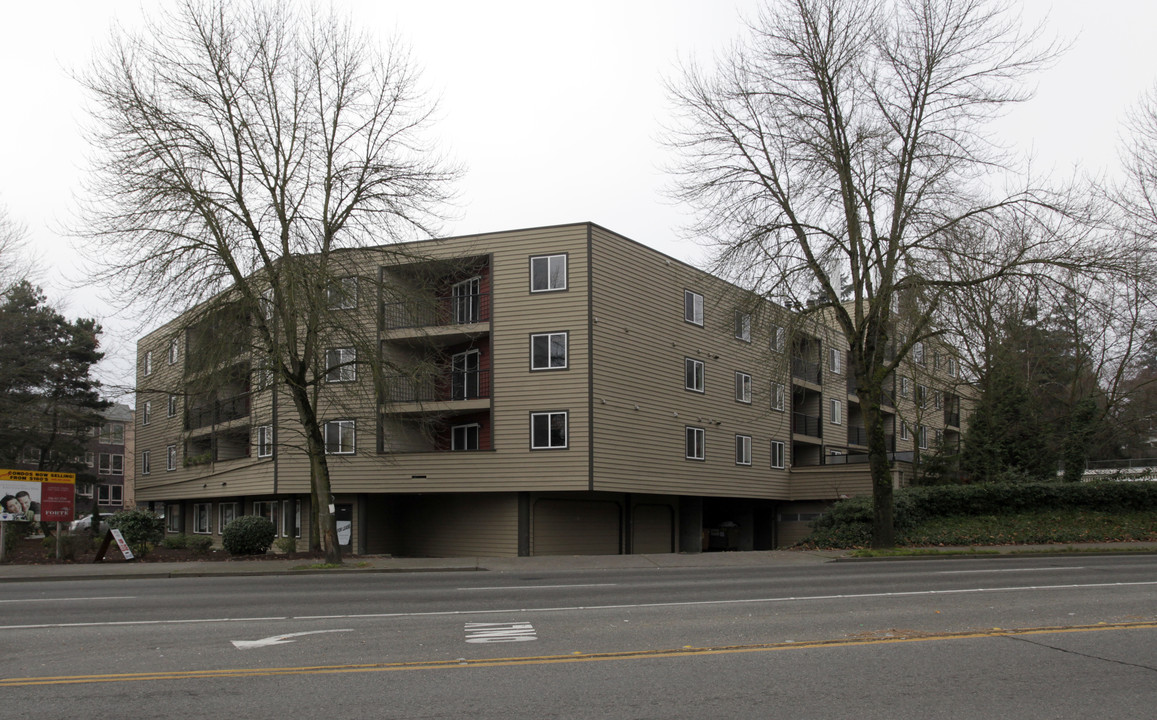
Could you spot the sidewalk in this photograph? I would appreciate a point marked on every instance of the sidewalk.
(386, 564)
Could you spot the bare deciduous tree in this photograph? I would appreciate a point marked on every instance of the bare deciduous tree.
(839, 153)
(238, 146)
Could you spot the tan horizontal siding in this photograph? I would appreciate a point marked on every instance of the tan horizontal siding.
(457, 525)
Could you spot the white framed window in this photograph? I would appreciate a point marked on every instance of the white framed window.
(173, 518)
(148, 363)
(466, 301)
(777, 456)
(547, 273)
(174, 350)
(938, 438)
(227, 512)
(777, 396)
(905, 386)
(111, 464)
(938, 399)
(743, 326)
(266, 509)
(918, 353)
(112, 434)
(342, 293)
(265, 303)
(548, 351)
(146, 467)
(112, 495)
(835, 361)
(340, 437)
(84, 489)
(951, 366)
(172, 408)
(778, 338)
(693, 307)
(903, 431)
(922, 436)
(203, 518)
(837, 412)
(742, 387)
(171, 457)
(265, 441)
(146, 412)
(922, 395)
(696, 443)
(90, 459)
(548, 431)
(465, 437)
(341, 365)
(693, 375)
(742, 449)
(290, 518)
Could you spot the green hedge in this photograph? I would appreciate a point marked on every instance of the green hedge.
(248, 535)
(849, 522)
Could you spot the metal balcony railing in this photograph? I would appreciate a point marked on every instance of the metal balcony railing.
(217, 412)
(437, 312)
(809, 425)
(859, 436)
(807, 371)
(443, 387)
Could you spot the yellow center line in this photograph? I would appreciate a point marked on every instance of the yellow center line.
(554, 659)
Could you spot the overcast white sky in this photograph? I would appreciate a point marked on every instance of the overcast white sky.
(554, 108)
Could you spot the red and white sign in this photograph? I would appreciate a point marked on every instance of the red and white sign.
(32, 496)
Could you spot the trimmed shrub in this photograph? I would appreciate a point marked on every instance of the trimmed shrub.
(141, 529)
(248, 535)
(176, 542)
(286, 545)
(200, 544)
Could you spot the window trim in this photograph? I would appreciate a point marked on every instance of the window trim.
(778, 394)
(341, 426)
(836, 409)
(549, 354)
(146, 412)
(345, 370)
(174, 350)
(113, 495)
(173, 518)
(235, 506)
(548, 415)
(693, 308)
(835, 361)
(694, 449)
(466, 427)
(778, 340)
(742, 326)
(778, 450)
(203, 511)
(336, 295)
(170, 458)
(264, 441)
(743, 450)
(549, 259)
(148, 363)
(742, 387)
(690, 365)
(146, 464)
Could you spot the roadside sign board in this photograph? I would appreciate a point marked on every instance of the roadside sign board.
(34, 495)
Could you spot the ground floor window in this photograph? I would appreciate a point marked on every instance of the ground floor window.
(266, 509)
(203, 518)
(290, 518)
(173, 518)
(227, 512)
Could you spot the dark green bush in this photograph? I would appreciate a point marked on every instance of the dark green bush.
(176, 542)
(200, 544)
(141, 529)
(70, 545)
(248, 535)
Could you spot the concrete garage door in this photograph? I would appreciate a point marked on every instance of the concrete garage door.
(575, 527)
(653, 529)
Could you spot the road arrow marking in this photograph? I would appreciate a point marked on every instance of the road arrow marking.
(279, 639)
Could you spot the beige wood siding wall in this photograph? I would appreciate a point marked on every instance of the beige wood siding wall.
(641, 406)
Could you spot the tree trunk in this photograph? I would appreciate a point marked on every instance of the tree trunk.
(870, 392)
(325, 528)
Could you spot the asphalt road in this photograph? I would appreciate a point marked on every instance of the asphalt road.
(1052, 637)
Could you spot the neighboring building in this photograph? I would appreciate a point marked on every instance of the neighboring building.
(558, 390)
(109, 480)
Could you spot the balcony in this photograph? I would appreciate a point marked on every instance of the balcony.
(442, 311)
(450, 386)
(858, 436)
(951, 419)
(809, 425)
(811, 372)
(217, 412)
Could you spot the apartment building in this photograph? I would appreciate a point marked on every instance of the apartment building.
(557, 390)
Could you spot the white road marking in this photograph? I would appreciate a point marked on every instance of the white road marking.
(572, 608)
(1007, 570)
(77, 599)
(280, 639)
(536, 587)
(499, 632)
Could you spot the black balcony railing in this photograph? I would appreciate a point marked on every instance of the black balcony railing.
(807, 371)
(217, 412)
(809, 425)
(442, 387)
(951, 419)
(859, 436)
(465, 309)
